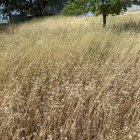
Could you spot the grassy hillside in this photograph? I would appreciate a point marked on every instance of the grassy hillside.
(67, 78)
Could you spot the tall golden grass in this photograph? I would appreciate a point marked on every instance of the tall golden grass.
(67, 78)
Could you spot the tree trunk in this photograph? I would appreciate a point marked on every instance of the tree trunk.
(104, 19)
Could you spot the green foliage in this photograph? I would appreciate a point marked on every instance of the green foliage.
(75, 8)
(28, 7)
(97, 6)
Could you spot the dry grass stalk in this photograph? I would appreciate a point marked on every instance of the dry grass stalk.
(66, 78)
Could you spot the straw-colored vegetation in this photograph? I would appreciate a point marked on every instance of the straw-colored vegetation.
(67, 78)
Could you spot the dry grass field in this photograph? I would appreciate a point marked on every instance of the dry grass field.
(67, 78)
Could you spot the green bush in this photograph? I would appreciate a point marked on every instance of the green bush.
(75, 8)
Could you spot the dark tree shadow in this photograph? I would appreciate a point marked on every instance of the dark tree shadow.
(8, 28)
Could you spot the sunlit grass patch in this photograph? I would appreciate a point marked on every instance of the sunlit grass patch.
(69, 78)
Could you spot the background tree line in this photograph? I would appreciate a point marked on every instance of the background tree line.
(35, 8)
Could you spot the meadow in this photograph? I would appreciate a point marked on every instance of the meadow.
(68, 78)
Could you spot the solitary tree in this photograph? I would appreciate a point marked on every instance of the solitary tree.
(111, 7)
(104, 7)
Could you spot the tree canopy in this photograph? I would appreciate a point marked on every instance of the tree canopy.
(24, 7)
(103, 7)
